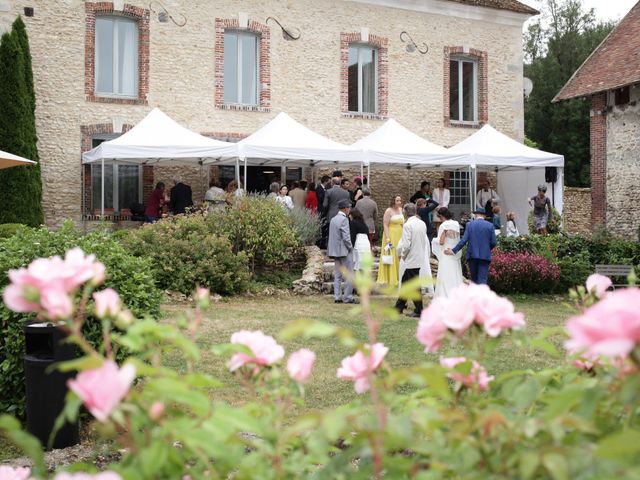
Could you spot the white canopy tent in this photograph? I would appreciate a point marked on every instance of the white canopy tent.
(394, 146)
(520, 169)
(157, 140)
(10, 160)
(285, 142)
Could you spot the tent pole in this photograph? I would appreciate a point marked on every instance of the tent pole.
(473, 173)
(245, 175)
(102, 189)
(238, 171)
(369, 176)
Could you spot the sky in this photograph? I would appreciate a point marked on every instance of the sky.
(605, 9)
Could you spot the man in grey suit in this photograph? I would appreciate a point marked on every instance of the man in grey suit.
(341, 250)
(339, 191)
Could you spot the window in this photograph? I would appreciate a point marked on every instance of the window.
(122, 183)
(463, 88)
(460, 188)
(116, 57)
(241, 60)
(363, 79)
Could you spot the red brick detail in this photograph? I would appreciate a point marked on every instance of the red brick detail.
(87, 133)
(141, 15)
(598, 138)
(264, 35)
(482, 59)
(382, 44)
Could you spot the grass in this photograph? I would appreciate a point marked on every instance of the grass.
(271, 314)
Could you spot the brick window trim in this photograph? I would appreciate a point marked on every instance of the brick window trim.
(481, 57)
(382, 45)
(264, 36)
(141, 15)
(87, 133)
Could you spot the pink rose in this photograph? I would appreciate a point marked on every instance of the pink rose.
(10, 473)
(102, 389)
(610, 328)
(99, 274)
(265, 349)
(477, 377)
(498, 315)
(108, 303)
(56, 303)
(300, 364)
(88, 476)
(358, 366)
(598, 284)
(46, 286)
(431, 327)
(156, 410)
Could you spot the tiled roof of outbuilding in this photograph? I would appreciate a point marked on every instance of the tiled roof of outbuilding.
(512, 5)
(614, 64)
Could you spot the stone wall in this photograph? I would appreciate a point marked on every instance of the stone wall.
(576, 211)
(305, 75)
(623, 170)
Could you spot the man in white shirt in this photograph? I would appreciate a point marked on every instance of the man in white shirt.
(485, 194)
(411, 249)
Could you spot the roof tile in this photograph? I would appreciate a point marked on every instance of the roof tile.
(512, 5)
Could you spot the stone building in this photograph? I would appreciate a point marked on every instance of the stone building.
(610, 78)
(225, 68)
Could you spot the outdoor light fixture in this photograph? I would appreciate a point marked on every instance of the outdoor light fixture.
(411, 45)
(286, 34)
(164, 16)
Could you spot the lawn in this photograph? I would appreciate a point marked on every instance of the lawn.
(271, 314)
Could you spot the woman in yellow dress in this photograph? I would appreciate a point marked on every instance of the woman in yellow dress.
(393, 221)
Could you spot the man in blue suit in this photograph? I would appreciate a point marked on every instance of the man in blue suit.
(481, 237)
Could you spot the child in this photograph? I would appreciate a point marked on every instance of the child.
(497, 223)
(512, 229)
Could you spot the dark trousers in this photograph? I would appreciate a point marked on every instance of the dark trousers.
(401, 304)
(479, 270)
(322, 243)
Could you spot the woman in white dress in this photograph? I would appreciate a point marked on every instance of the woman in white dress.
(449, 268)
(284, 199)
(442, 195)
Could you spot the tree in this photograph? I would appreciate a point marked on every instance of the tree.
(20, 187)
(555, 47)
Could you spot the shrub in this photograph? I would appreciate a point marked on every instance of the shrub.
(574, 270)
(185, 253)
(10, 229)
(522, 273)
(131, 276)
(553, 225)
(257, 226)
(306, 226)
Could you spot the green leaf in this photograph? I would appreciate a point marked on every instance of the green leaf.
(223, 349)
(526, 393)
(153, 457)
(529, 462)
(89, 362)
(411, 289)
(25, 441)
(545, 346)
(620, 444)
(556, 465)
(306, 328)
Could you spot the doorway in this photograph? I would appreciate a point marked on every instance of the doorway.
(259, 178)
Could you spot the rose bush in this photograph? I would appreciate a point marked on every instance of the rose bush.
(450, 419)
(522, 273)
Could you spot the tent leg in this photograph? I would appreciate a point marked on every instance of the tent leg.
(102, 188)
(238, 171)
(245, 175)
(369, 176)
(473, 174)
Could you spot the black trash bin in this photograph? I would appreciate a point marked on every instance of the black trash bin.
(45, 389)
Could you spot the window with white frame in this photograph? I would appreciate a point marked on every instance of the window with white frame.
(363, 78)
(241, 67)
(460, 188)
(122, 183)
(116, 57)
(463, 90)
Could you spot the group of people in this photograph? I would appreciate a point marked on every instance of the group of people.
(177, 201)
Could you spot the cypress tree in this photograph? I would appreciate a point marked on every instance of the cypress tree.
(20, 187)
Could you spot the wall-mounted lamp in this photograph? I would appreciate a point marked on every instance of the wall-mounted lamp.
(164, 16)
(286, 34)
(411, 45)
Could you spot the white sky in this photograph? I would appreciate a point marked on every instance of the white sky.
(605, 9)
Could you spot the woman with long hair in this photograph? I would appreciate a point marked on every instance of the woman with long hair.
(359, 238)
(392, 222)
(311, 202)
(449, 267)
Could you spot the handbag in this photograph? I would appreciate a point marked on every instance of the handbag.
(386, 259)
